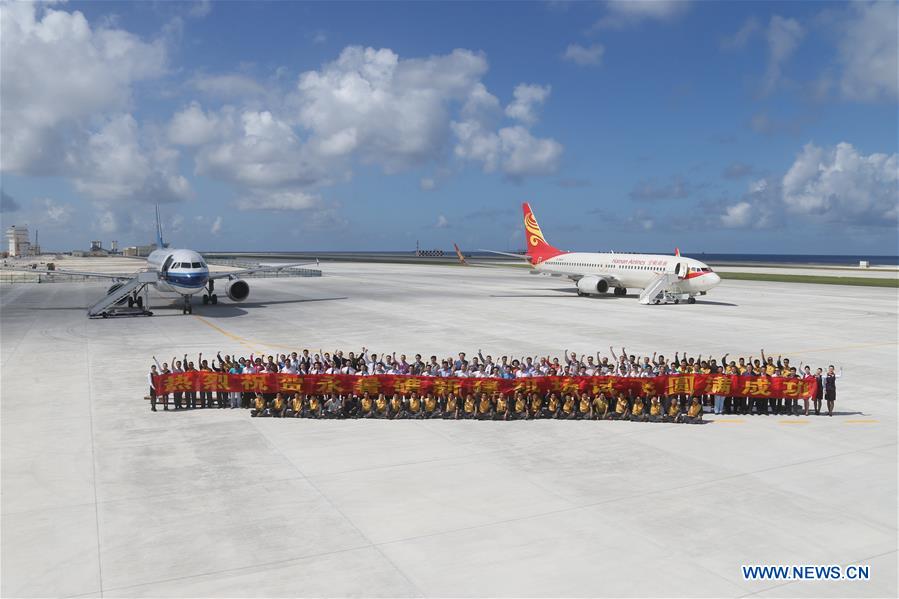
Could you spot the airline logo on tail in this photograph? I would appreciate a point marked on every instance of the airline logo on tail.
(538, 249)
(535, 235)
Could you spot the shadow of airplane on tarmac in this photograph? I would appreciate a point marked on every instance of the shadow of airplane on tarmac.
(230, 310)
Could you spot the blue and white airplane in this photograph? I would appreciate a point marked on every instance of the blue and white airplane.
(180, 271)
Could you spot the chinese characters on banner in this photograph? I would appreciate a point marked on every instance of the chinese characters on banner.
(677, 384)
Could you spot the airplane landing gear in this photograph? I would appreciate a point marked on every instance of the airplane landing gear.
(620, 291)
(187, 308)
(209, 297)
(692, 300)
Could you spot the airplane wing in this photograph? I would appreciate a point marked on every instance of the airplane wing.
(77, 273)
(519, 256)
(246, 271)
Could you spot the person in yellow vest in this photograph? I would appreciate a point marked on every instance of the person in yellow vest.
(552, 406)
(502, 407)
(258, 406)
(397, 409)
(584, 406)
(536, 406)
(568, 411)
(520, 407)
(450, 407)
(313, 407)
(381, 406)
(694, 412)
(485, 407)
(431, 407)
(278, 406)
(637, 413)
(469, 407)
(656, 411)
(295, 402)
(673, 412)
(366, 406)
(621, 408)
(600, 407)
(413, 406)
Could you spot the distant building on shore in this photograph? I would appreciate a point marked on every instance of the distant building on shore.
(18, 242)
(141, 251)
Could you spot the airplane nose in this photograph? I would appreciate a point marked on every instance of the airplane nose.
(715, 279)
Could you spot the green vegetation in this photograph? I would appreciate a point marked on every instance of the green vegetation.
(820, 280)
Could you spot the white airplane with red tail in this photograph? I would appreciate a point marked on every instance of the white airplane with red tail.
(661, 278)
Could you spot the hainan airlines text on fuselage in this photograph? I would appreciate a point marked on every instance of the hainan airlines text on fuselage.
(633, 270)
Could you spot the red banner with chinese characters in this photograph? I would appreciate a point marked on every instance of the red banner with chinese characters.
(689, 384)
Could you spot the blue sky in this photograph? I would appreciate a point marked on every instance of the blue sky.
(637, 126)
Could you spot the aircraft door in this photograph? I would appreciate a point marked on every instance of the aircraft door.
(680, 270)
(165, 265)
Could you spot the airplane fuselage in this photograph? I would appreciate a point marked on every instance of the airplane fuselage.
(633, 270)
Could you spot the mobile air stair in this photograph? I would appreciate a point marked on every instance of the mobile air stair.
(659, 291)
(112, 304)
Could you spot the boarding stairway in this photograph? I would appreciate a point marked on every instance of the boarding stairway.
(659, 290)
(118, 293)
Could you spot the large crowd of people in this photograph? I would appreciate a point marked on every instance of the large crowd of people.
(500, 406)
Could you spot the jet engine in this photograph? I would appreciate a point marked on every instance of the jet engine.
(238, 290)
(592, 284)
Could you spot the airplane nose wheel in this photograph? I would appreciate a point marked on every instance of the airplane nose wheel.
(692, 300)
(187, 308)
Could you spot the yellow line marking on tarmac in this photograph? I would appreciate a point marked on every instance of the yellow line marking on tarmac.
(251, 344)
(861, 421)
(237, 338)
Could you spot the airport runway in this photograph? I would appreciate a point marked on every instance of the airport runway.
(102, 496)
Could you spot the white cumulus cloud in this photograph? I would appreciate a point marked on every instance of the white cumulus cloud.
(584, 55)
(624, 13)
(389, 111)
(737, 215)
(527, 99)
(841, 184)
(58, 74)
(783, 38)
(118, 163)
(868, 52)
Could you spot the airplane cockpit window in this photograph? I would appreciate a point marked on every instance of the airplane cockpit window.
(195, 265)
(175, 266)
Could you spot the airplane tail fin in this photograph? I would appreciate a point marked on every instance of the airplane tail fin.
(459, 254)
(677, 251)
(159, 243)
(538, 249)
